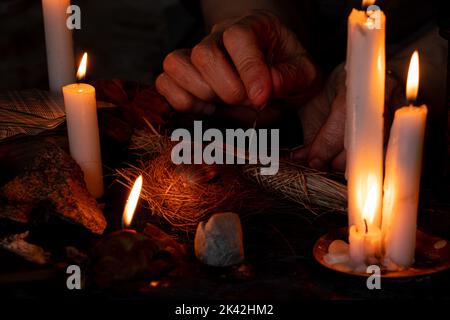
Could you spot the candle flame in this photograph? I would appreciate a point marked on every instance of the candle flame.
(412, 84)
(81, 73)
(367, 3)
(132, 201)
(370, 205)
(367, 196)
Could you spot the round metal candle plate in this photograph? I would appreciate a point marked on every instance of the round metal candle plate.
(432, 255)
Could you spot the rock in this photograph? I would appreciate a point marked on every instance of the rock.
(336, 258)
(56, 178)
(17, 244)
(165, 243)
(128, 255)
(218, 242)
(17, 213)
(440, 244)
(338, 246)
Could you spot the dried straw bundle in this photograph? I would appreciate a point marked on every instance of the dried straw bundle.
(308, 187)
(185, 195)
(149, 143)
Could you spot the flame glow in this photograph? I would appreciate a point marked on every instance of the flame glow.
(370, 204)
(132, 201)
(412, 84)
(367, 198)
(81, 73)
(367, 3)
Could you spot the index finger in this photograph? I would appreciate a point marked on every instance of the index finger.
(244, 49)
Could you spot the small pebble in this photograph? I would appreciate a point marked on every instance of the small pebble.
(218, 242)
(440, 244)
(335, 258)
(338, 246)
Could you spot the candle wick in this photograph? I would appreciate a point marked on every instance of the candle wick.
(412, 102)
(365, 223)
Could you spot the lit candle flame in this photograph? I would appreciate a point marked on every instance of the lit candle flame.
(81, 73)
(367, 3)
(412, 84)
(370, 204)
(367, 196)
(132, 201)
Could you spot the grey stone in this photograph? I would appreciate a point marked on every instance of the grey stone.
(218, 242)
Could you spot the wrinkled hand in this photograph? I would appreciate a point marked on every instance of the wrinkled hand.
(243, 62)
(323, 121)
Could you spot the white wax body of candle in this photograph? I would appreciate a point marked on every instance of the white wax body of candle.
(365, 245)
(402, 183)
(59, 44)
(356, 242)
(82, 126)
(365, 68)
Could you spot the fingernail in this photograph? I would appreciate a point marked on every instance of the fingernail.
(317, 164)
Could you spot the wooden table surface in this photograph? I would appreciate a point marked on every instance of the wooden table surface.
(279, 263)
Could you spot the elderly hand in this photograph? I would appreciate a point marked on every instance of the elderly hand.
(242, 62)
(323, 121)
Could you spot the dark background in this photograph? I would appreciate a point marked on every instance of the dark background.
(125, 39)
(128, 39)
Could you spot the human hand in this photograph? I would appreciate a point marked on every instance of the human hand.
(242, 62)
(323, 121)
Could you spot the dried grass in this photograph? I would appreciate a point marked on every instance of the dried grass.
(312, 189)
(185, 195)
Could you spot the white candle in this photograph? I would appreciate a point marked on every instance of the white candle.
(82, 126)
(402, 181)
(365, 237)
(356, 241)
(365, 68)
(59, 44)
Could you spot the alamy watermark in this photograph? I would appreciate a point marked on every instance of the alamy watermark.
(74, 19)
(235, 146)
(73, 281)
(374, 280)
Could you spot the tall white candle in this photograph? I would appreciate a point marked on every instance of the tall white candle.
(59, 44)
(402, 181)
(82, 126)
(365, 69)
